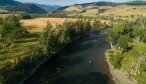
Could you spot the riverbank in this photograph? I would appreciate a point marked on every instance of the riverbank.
(120, 76)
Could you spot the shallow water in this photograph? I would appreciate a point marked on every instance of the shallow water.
(82, 62)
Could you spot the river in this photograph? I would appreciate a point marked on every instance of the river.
(81, 62)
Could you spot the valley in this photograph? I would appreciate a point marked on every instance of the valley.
(84, 43)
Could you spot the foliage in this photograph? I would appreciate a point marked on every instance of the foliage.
(129, 38)
(115, 59)
(123, 43)
(12, 30)
(52, 38)
(97, 25)
(12, 26)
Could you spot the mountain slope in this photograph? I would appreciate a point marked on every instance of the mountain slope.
(8, 2)
(48, 8)
(18, 6)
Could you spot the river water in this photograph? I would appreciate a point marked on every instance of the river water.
(82, 62)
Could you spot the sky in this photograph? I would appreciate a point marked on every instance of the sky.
(67, 2)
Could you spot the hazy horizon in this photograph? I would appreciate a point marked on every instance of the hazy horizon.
(68, 2)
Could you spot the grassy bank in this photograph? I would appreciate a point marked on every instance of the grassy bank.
(120, 76)
(128, 44)
(18, 58)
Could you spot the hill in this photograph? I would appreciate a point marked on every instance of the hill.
(18, 6)
(126, 10)
(107, 8)
(84, 7)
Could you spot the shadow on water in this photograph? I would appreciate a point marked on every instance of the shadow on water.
(89, 78)
(67, 62)
(83, 47)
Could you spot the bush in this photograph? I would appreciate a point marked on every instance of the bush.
(115, 59)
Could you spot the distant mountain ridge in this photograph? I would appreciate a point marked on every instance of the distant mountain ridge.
(136, 3)
(49, 8)
(8, 2)
(18, 6)
(101, 3)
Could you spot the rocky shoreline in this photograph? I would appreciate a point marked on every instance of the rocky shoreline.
(120, 76)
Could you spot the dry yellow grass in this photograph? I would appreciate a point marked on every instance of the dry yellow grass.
(126, 10)
(4, 15)
(107, 22)
(92, 11)
(73, 9)
(37, 25)
(90, 6)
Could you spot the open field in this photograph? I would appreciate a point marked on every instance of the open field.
(37, 25)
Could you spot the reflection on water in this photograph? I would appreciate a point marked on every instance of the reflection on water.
(82, 62)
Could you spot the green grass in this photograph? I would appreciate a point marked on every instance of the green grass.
(128, 61)
(141, 77)
(17, 60)
(19, 48)
(1, 26)
(115, 59)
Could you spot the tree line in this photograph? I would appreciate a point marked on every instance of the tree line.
(52, 38)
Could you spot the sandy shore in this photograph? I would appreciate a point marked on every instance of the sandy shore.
(120, 76)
